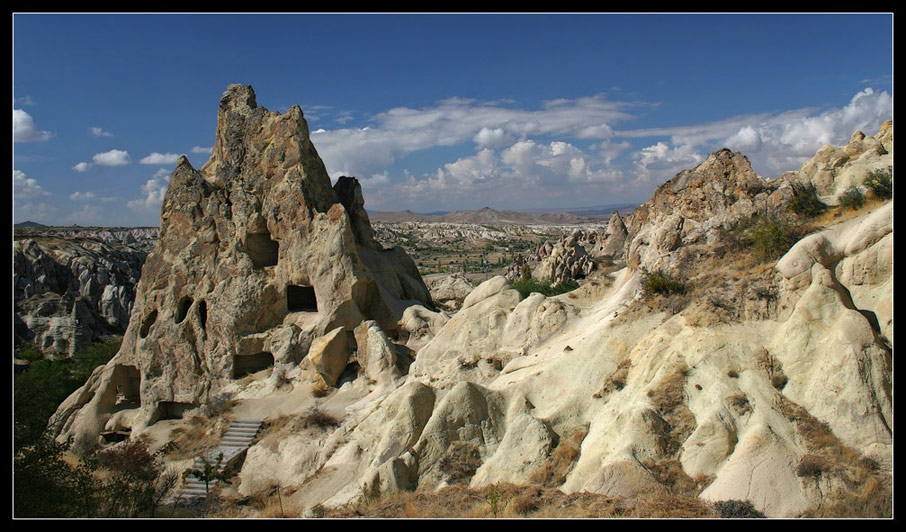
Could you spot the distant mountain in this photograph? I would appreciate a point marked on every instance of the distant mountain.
(28, 224)
(487, 215)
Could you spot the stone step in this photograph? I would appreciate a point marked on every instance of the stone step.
(238, 436)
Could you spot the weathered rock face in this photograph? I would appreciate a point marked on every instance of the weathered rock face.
(449, 290)
(834, 169)
(70, 289)
(687, 211)
(258, 257)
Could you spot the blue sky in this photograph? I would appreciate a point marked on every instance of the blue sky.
(437, 112)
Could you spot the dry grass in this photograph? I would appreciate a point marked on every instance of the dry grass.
(201, 435)
(740, 403)
(616, 381)
(460, 461)
(668, 398)
(564, 457)
(670, 475)
(853, 485)
(512, 501)
(838, 214)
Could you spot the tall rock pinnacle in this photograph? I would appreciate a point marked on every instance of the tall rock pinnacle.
(258, 256)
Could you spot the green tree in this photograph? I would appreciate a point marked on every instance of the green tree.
(209, 472)
(46, 485)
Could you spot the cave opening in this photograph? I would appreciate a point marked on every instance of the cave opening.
(247, 364)
(183, 310)
(262, 249)
(301, 299)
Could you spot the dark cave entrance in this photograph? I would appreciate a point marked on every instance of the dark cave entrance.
(247, 364)
(262, 250)
(301, 299)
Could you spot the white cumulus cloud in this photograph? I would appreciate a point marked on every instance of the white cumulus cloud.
(493, 138)
(24, 129)
(154, 190)
(202, 149)
(112, 158)
(98, 132)
(25, 188)
(160, 158)
(81, 167)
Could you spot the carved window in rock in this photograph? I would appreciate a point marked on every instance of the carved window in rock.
(301, 299)
(183, 310)
(127, 382)
(262, 249)
(247, 364)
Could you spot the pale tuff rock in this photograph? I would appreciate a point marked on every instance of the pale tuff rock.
(573, 256)
(253, 244)
(856, 254)
(449, 290)
(376, 354)
(418, 326)
(687, 211)
(833, 170)
(614, 238)
(329, 355)
(567, 260)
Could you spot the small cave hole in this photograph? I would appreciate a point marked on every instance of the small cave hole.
(172, 409)
(203, 314)
(147, 323)
(247, 364)
(301, 299)
(116, 436)
(183, 309)
(262, 250)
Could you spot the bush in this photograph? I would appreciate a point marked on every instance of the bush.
(853, 198)
(880, 184)
(772, 236)
(805, 201)
(136, 481)
(661, 283)
(320, 419)
(736, 510)
(527, 286)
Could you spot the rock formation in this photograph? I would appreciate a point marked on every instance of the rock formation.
(449, 290)
(258, 257)
(71, 288)
(606, 389)
(834, 169)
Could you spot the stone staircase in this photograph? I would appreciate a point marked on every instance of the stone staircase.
(234, 442)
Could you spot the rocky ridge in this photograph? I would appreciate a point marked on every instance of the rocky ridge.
(73, 286)
(600, 390)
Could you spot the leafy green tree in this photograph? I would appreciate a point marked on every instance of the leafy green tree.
(39, 390)
(46, 485)
(209, 472)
